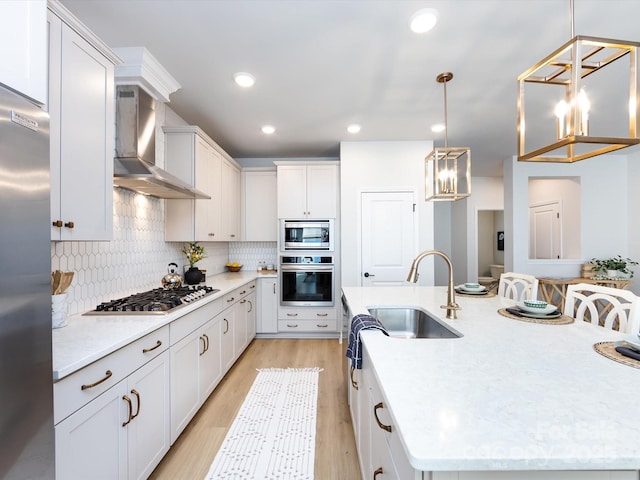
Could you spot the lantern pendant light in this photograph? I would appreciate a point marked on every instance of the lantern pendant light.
(572, 138)
(447, 170)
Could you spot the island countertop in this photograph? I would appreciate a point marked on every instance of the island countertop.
(508, 395)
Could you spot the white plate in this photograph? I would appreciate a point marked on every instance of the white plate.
(538, 311)
(539, 315)
(480, 291)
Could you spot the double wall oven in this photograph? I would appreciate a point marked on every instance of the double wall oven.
(307, 269)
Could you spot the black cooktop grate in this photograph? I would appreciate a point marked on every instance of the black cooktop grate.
(156, 301)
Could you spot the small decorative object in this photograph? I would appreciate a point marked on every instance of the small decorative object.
(616, 267)
(59, 310)
(535, 304)
(234, 267)
(194, 253)
(500, 240)
(587, 270)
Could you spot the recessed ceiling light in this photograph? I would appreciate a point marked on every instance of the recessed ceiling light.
(353, 128)
(438, 127)
(244, 79)
(424, 20)
(268, 129)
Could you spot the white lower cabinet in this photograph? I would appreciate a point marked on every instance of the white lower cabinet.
(195, 371)
(307, 319)
(122, 433)
(268, 305)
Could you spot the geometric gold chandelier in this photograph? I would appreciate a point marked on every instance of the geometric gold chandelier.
(447, 170)
(573, 78)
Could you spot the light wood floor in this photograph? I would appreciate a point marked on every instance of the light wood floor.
(336, 458)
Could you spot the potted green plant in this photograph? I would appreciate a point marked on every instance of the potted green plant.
(614, 267)
(194, 254)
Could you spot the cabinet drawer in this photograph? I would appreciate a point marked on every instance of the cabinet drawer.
(79, 388)
(307, 325)
(307, 313)
(186, 324)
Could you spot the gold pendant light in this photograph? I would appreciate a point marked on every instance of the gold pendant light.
(569, 137)
(447, 170)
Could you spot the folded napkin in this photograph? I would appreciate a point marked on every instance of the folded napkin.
(359, 323)
(628, 352)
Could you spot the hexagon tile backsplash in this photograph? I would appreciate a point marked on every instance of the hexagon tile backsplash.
(137, 257)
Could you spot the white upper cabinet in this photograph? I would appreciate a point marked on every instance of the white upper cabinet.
(259, 215)
(307, 190)
(196, 159)
(81, 107)
(23, 47)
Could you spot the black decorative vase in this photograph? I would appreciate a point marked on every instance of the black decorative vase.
(193, 276)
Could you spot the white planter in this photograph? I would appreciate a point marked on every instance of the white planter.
(613, 273)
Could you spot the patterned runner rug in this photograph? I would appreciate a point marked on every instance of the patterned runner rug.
(273, 436)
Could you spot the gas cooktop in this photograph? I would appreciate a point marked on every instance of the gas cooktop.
(157, 301)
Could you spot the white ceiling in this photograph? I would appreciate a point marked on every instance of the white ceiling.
(321, 65)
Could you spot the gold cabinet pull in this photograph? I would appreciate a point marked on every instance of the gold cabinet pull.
(244, 300)
(354, 384)
(292, 325)
(231, 300)
(204, 346)
(57, 223)
(107, 375)
(292, 314)
(377, 472)
(322, 325)
(250, 306)
(147, 350)
(226, 326)
(375, 414)
(135, 392)
(128, 400)
(69, 225)
(322, 314)
(243, 292)
(206, 340)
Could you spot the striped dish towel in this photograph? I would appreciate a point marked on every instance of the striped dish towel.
(359, 323)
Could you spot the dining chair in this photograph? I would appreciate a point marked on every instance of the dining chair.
(607, 307)
(518, 286)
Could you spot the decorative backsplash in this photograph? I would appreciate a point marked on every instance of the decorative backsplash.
(137, 257)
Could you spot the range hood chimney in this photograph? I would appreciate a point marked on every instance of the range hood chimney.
(134, 165)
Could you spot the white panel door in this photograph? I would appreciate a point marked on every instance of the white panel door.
(545, 231)
(388, 237)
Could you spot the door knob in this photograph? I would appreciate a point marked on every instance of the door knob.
(367, 275)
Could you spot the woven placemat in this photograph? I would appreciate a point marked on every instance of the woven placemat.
(608, 349)
(561, 320)
(471, 295)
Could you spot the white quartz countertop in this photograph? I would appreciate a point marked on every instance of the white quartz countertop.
(508, 395)
(88, 338)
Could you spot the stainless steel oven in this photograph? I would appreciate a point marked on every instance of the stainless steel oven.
(306, 281)
(306, 235)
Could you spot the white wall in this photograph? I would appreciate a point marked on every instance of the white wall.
(633, 216)
(605, 218)
(382, 165)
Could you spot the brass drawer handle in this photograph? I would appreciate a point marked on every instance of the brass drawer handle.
(128, 400)
(231, 300)
(243, 292)
(290, 325)
(206, 340)
(322, 314)
(292, 314)
(69, 225)
(135, 392)
(250, 306)
(322, 325)
(354, 384)
(57, 223)
(243, 301)
(147, 350)
(375, 414)
(377, 472)
(106, 377)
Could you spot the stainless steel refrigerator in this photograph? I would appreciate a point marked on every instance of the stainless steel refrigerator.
(26, 390)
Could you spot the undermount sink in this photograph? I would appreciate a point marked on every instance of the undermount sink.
(411, 322)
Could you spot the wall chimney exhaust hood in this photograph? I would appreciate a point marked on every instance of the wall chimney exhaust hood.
(134, 164)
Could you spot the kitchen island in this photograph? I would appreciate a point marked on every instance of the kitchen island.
(509, 399)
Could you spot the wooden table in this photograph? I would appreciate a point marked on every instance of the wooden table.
(554, 290)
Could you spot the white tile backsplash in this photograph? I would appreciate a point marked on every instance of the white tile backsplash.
(137, 257)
